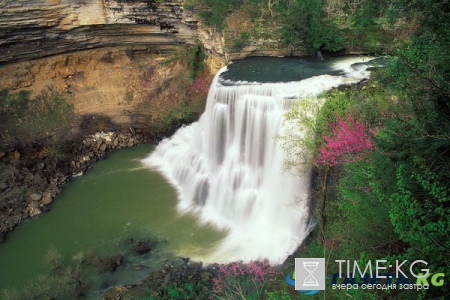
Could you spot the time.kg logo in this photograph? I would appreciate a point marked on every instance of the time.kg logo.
(309, 275)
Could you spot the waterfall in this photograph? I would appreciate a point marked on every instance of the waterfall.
(319, 54)
(228, 166)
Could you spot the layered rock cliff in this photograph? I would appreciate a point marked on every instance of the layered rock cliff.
(32, 29)
(111, 56)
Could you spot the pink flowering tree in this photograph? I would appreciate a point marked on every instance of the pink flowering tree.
(243, 281)
(200, 85)
(349, 141)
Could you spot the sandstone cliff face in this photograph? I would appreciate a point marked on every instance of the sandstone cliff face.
(50, 43)
(114, 87)
(32, 29)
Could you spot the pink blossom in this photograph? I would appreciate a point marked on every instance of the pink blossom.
(348, 142)
(199, 85)
(258, 272)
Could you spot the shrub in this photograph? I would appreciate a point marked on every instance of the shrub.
(26, 120)
(243, 281)
(349, 140)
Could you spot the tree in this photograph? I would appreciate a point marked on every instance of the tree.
(305, 26)
(349, 141)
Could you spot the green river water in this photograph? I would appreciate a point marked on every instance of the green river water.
(117, 199)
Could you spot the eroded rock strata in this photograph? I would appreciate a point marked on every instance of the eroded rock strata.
(32, 177)
(32, 29)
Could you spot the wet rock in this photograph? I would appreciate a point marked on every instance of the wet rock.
(3, 185)
(99, 143)
(185, 259)
(17, 154)
(108, 264)
(178, 262)
(33, 209)
(115, 292)
(167, 279)
(143, 247)
(47, 198)
(40, 180)
(35, 197)
(206, 275)
(195, 265)
(29, 178)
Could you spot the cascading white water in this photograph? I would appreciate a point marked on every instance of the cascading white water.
(228, 166)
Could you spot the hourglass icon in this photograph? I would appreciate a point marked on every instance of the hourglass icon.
(310, 267)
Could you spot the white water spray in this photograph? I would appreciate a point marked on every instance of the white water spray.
(228, 166)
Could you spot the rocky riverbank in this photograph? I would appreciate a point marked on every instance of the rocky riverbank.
(31, 178)
(180, 276)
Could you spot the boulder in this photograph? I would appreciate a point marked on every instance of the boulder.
(35, 197)
(47, 198)
(115, 292)
(109, 264)
(33, 209)
(143, 247)
(139, 267)
(103, 147)
(177, 262)
(16, 154)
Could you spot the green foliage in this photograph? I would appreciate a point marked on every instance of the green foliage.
(305, 26)
(25, 120)
(278, 295)
(368, 27)
(192, 56)
(240, 42)
(314, 116)
(54, 152)
(412, 157)
(214, 12)
(371, 232)
(181, 115)
(196, 61)
(300, 130)
(181, 291)
(310, 25)
(336, 104)
(184, 291)
(420, 213)
(394, 204)
(243, 281)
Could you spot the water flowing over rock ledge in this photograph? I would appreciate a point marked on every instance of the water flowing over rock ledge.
(35, 175)
(228, 166)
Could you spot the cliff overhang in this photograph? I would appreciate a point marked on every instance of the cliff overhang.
(39, 28)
